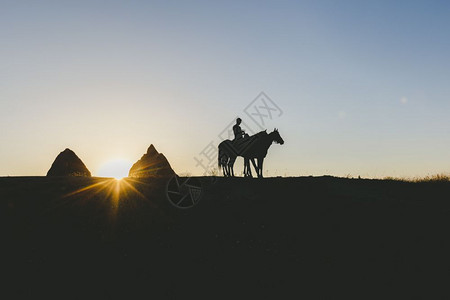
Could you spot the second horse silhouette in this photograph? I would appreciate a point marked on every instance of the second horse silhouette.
(254, 147)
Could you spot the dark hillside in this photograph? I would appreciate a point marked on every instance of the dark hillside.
(316, 237)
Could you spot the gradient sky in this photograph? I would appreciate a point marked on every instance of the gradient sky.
(364, 86)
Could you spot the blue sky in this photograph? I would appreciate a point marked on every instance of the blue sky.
(363, 85)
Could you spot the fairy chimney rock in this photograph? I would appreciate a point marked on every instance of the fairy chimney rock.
(67, 163)
(151, 164)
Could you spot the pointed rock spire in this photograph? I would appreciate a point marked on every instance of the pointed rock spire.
(151, 164)
(151, 151)
(67, 163)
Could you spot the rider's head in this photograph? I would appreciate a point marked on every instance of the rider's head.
(238, 121)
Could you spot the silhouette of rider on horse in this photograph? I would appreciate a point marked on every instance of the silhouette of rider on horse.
(251, 148)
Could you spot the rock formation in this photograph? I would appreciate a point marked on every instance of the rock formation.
(67, 163)
(151, 164)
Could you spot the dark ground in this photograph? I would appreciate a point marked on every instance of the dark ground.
(278, 238)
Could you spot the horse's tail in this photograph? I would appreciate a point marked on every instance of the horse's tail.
(219, 156)
(222, 157)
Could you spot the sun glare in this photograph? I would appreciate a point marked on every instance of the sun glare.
(117, 168)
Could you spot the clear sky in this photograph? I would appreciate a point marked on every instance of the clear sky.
(364, 86)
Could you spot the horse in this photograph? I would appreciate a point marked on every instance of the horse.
(255, 147)
(229, 151)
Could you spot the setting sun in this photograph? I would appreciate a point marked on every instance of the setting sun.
(116, 168)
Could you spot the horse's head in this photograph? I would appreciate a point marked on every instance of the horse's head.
(277, 137)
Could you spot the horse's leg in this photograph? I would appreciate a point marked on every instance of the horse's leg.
(227, 167)
(245, 167)
(224, 169)
(230, 165)
(222, 162)
(260, 167)
(249, 169)
(254, 165)
(223, 165)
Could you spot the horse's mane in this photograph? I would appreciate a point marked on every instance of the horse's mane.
(258, 135)
(264, 132)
